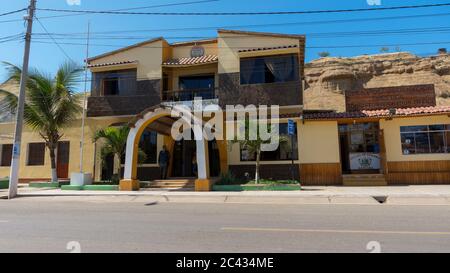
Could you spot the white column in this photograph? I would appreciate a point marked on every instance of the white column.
(129, 155)
(202, 164)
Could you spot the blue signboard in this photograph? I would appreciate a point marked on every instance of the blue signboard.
(291, 127)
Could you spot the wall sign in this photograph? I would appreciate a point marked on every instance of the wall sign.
(197, 51)
(365, 161)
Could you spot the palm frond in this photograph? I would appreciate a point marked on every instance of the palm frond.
(8, 101)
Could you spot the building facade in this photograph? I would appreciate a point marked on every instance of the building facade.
(388, 136)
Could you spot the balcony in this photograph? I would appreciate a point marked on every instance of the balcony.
(186, 97)
(101, 106)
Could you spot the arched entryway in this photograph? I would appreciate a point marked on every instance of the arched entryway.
(138, 126)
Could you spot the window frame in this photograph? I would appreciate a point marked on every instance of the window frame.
(42, 160)
(296, 151)
(2, 151)
(296, 69)
(406, 130)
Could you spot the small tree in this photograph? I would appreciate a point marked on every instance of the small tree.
(324, 54)
(51, 103)
(254, 146)
(385, 49)
(115, 142)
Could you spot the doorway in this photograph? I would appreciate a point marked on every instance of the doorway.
(360, 148)
(62, 157)
(183, 155)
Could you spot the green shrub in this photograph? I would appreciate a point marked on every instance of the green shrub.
(227, 178)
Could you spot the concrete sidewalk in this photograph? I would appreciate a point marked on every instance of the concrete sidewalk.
(392, 195)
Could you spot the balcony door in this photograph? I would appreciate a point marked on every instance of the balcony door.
(197, 86)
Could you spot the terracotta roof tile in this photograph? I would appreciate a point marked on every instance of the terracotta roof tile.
(267, 48)
(193, 61)
(382, 113)
(112, 63)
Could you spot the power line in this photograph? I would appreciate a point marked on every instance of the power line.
(245, 13)
(69, 36)
(12, 12)
(136, 8)
(245, 47)
(57, 44)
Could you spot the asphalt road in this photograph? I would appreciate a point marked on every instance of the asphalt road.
(114, 224)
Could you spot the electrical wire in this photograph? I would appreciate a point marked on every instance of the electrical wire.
(245, 13)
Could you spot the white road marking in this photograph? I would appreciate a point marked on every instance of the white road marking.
(336, 231)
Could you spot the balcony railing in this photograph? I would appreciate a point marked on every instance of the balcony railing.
(189, 95)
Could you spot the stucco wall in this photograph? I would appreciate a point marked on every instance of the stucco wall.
(393, 140)
(149, 56)
(230, 44)
(71, 134)
(318, 142)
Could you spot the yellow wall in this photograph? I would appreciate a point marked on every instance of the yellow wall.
(230, 44)
(184, 51)
(149, 56)
(318, 142)
(72, 134)
(393, 140)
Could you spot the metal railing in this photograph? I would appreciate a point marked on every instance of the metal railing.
(189, 95)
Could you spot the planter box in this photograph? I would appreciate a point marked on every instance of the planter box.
(256, 187)
(101, 188)
(71, 188)
(40, 185)
(4, 184)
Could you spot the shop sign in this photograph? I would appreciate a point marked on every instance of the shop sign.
(365, 161)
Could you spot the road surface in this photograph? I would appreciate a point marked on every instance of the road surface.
(115, 224)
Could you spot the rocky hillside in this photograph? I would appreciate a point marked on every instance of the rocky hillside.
(327, 79)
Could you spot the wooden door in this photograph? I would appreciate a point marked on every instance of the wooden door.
(62, 163)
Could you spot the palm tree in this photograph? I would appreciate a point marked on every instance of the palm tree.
(51, 103)
(254, 146)
(115, 142)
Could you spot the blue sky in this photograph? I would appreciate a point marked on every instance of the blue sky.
(48, 56)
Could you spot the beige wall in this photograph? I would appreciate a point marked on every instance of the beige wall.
(71, 134)
(319, 142)
(230, 44)
(184, 51)
(149, 56)
(393, 140)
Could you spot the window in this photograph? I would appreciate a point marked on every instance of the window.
(148, 145)
(282, 153)
(6, 155)
(36, 154)
(114, 83)
(426, 139)
(282, 68)
(111, 86)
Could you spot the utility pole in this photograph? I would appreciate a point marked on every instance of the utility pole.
(83, 118)
(15, 163)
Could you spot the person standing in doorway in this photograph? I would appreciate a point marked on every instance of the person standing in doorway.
(163, 162)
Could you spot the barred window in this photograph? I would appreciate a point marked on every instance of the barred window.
(425, 139)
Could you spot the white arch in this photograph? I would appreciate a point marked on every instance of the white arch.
(130, 174)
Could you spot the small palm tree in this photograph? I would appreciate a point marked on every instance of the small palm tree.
(51, 103)
(254, 146)
(115, 142)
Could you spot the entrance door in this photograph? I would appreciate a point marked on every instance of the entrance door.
(62, 157)
(183, 154)
(360, 148)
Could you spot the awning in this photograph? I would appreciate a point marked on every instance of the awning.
(209, 59)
